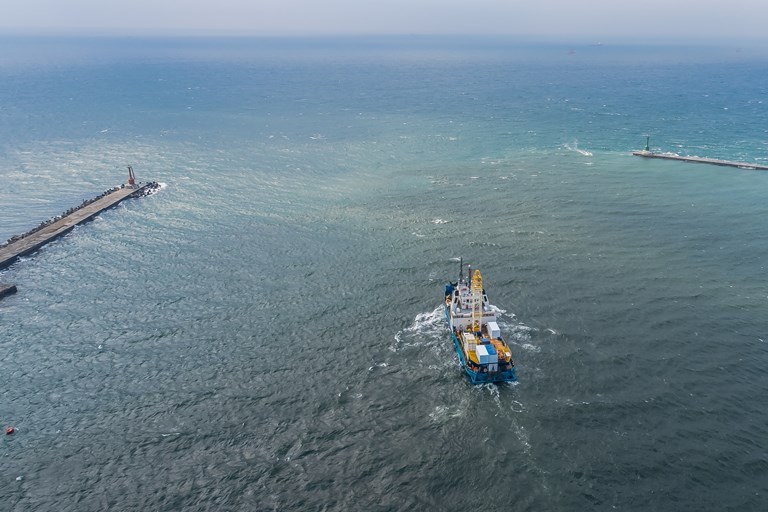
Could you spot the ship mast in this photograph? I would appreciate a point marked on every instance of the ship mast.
(477, 301)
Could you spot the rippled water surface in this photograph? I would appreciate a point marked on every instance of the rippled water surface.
(264, 333)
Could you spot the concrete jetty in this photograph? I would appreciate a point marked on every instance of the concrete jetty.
(33, 241)
(700, 160)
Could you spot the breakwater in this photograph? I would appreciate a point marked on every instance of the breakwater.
(701, 160)
(47, 231)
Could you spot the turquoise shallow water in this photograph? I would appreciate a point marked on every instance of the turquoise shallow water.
(264, 332)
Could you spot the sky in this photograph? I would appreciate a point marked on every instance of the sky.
(590, 19)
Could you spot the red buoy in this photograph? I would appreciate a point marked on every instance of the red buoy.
(9, 431)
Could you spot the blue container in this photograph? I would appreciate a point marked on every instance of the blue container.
(493, 356)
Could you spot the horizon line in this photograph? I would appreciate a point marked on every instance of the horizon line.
(222, 34)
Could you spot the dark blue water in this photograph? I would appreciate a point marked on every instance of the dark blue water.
(264, 332)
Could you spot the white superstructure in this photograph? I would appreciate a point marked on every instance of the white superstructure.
(469, 307)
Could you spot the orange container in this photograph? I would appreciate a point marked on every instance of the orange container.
(503, 350)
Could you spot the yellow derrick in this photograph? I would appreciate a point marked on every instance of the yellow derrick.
(477, 281)
(477, 301)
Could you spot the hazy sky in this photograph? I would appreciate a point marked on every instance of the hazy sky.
(668, 19)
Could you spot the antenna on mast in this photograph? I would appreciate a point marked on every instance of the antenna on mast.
(461, 269)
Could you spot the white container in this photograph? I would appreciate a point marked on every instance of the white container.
(493, 330)
(470, 342)
(482, 354)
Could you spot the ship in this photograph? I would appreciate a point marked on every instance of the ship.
(482, 351)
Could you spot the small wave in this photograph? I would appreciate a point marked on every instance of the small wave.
(427, 321)
(523, 329)
(575, 148)
(425, 330)
(442, 413)
(518, 334)
(439, 221)
(499, 311)
(531, 348)
(523, 437)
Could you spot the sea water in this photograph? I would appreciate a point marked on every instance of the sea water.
(265, 332)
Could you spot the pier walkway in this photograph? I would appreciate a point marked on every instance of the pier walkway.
(34, 241)
(701, 160)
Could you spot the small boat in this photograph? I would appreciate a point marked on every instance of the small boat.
(483, 353)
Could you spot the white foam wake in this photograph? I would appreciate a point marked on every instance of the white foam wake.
(426, 328)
